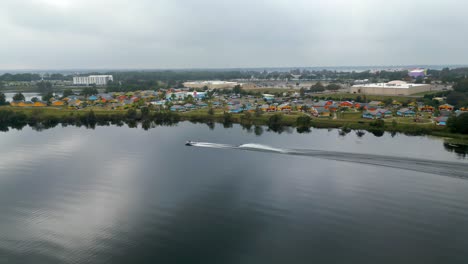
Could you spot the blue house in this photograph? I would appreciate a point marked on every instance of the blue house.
(368, 115)
(236, 109)
(177, 108)
(406, 112)
(379, 113)
(92, 98)
(441, 120)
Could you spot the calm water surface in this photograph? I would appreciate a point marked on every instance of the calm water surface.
(121, 195)
(27, 96)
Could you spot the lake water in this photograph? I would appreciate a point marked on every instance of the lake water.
(122, 195)
(27, 96)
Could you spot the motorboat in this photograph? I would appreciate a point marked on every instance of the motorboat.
(189, 143)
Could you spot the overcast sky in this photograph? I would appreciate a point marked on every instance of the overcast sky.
(70, 34)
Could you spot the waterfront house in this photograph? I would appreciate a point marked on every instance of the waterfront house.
(368, 115)
(284, 107)
(427, 108)
(441, 120)
(322, 103)
(322, 111)
(333, 107)
(74, 102)
(414, 104)
(58, 103)
(236, 109)
(39, 104)
(92, 98)
(373, 107)
(446, 107)
(445, 113)
(177, 108)
(17, 103)
(347, 104)
(376, 103)
(189, 106)
(271, 108)
(406, 112)
(361, 105)
(395, 103)
(264, 107)
(377, 114)
(385, 113)
(268, 97)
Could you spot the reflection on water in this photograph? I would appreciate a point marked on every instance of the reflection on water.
(120, 195)
(460, 149)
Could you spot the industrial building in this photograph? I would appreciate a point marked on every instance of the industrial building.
(417, 73)
(211, 84)
(390, 88)
(92, 79)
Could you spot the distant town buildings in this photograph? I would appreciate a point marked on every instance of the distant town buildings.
(417, 73)
(92, 79)
(390, 88)
(211, 84)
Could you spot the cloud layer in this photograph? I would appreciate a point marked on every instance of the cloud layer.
(56, 34)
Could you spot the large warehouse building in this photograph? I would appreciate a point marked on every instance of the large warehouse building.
(211, 84)
(390, 88)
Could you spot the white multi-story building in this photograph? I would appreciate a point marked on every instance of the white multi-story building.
(92, 79)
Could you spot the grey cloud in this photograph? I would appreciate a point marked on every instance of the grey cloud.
(214, 33)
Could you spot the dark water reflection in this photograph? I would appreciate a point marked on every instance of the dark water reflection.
(121, 195)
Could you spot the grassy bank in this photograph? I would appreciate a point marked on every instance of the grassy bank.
(50, 116)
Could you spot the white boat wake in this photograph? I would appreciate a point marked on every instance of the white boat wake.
(453, 169)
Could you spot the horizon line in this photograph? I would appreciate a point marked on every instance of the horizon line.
(229, 68)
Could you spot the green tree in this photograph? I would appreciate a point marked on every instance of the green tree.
(275, 122)
(46, 97)
(2, 99)
(145, 112)
(19, 97)
(317, 87)
(304, 121)
(210, 111)
(247, 116)
(34, 99)
(227, 118)
(457, 98)
(302, 92)
(461, 86)
(237, 89)
(189, 99)
(388, 101)
(87, 91)
(333, 87)
(458, 124)
(91, 117)
(67, 92)
(258, 111)
(131, 113)
(44, 87)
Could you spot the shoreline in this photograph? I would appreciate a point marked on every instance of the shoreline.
(12, 117)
